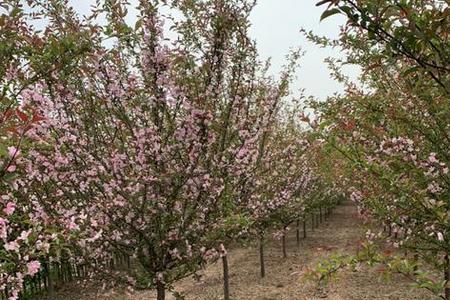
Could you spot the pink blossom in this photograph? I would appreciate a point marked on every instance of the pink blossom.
(13, 151)
(432, 158)
(12, 246)
(11, 168)
(24, 235)
(33, 267)
(3, 229)
(10, 208)
(14, 296)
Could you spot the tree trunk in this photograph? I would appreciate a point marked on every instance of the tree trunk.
(298, 233)
(50, 286)
(39, 281)
(226, 279)
(161, 290)
(283, 242)
(304, 229)
(447, 277)
(59, 275)
(416, 261)
(313, 222)
(261, 255)
(320, 211)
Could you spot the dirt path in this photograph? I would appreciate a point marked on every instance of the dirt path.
(340, 234)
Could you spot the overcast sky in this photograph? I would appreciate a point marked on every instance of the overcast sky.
(276, 28)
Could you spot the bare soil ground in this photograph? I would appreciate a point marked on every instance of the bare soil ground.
(340, 233)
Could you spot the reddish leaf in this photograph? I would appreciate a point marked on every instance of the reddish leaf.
(349, 126)
(8, 113)
(12, 129)
(387, 252)
(22, 115)
(37, 118)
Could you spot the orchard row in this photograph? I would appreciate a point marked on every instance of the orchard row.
(159, 143)
(389, 136)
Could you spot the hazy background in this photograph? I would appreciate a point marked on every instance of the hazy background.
(276, 28)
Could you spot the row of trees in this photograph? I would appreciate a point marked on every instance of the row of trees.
(127, 141)
(391, 138)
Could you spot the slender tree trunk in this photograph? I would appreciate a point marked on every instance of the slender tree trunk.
(39, 281)
(313, 222)
(447, 277)
(161, 290)
(33, 285)
(283, 242)
(59, 275)
(298, 233)
(304, 229)
(416, 261)
(50, 287)
(226, 279)
(320, 212)
(69, 271)
(261, 255)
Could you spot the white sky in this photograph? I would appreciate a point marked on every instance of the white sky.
(276, 28)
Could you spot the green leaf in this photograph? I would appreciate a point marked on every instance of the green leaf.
(347, 10)
(329, 12)
(10, 177)
(3, 150)
(322, 2)
(411, 70)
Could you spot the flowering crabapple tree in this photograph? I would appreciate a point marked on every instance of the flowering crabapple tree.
(24, 237)
(27, 57)
(141, 147)
(283, 182)
(395, 135)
